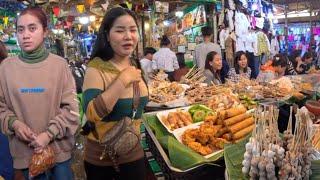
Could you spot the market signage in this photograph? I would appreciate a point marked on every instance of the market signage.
(162, 7)
(195, 17)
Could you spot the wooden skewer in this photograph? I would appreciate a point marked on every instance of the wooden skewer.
(193, 67)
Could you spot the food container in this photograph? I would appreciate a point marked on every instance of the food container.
(202, 171)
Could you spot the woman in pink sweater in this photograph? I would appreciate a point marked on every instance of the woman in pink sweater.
(37, 99)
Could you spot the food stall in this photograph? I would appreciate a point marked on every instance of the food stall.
(201, 137)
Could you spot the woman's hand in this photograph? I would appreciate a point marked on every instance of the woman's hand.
(40, 142)
(130, 75)
(22, 131)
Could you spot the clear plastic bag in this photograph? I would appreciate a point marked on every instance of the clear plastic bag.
(41, 162)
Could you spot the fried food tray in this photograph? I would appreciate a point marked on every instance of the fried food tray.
(203, 171)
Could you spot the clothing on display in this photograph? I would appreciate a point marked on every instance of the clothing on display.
(230, 20)
(230, 44)
(262, 44)
(232, 6)
(242, 25)
(221, 15)
(250, 41)
(223, 36)
(274, 46)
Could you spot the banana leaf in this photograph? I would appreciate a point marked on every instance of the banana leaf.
(180, 156)
(233, 157)
(315, 167)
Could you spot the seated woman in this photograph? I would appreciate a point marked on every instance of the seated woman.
(296, 61)
(213, 66)
(241, 69)
(273, 70)
(306, 63)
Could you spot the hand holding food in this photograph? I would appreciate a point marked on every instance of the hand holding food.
(130, 75)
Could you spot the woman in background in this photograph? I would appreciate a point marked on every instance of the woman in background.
(273, 71)
(213, 68)
(241, 69)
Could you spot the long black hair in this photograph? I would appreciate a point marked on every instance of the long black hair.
(209, 59)
(102, 47)
(236, 62)
(279, 60)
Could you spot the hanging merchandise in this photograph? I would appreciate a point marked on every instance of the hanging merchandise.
(80, 8)
(230, 44)
(129, 4)
(5, 20)
(242, 25)
(244, 3)
(232, 5)
(56, 11)
(230, 20)
(221, 16)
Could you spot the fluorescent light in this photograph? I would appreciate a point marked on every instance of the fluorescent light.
(294, 14)
(92, 18)
(84, 20)
(147, 26)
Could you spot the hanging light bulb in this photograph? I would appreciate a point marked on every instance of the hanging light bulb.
(84, 20)
(92, 18)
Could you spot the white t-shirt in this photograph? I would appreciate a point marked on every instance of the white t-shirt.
(146, 66)
(165, 59)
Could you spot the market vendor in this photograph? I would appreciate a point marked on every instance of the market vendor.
(241, 69)
(306, 63)
(213, 69)
(273, 69)
(165, 59)
(37, 100)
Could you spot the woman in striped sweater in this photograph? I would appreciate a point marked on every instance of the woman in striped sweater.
(108, 92)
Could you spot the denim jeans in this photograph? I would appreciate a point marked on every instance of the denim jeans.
(256, 66)
(61, 171)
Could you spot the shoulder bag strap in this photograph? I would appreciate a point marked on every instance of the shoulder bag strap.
(136, 99)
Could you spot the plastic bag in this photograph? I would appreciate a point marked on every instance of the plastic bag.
(41, 162)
